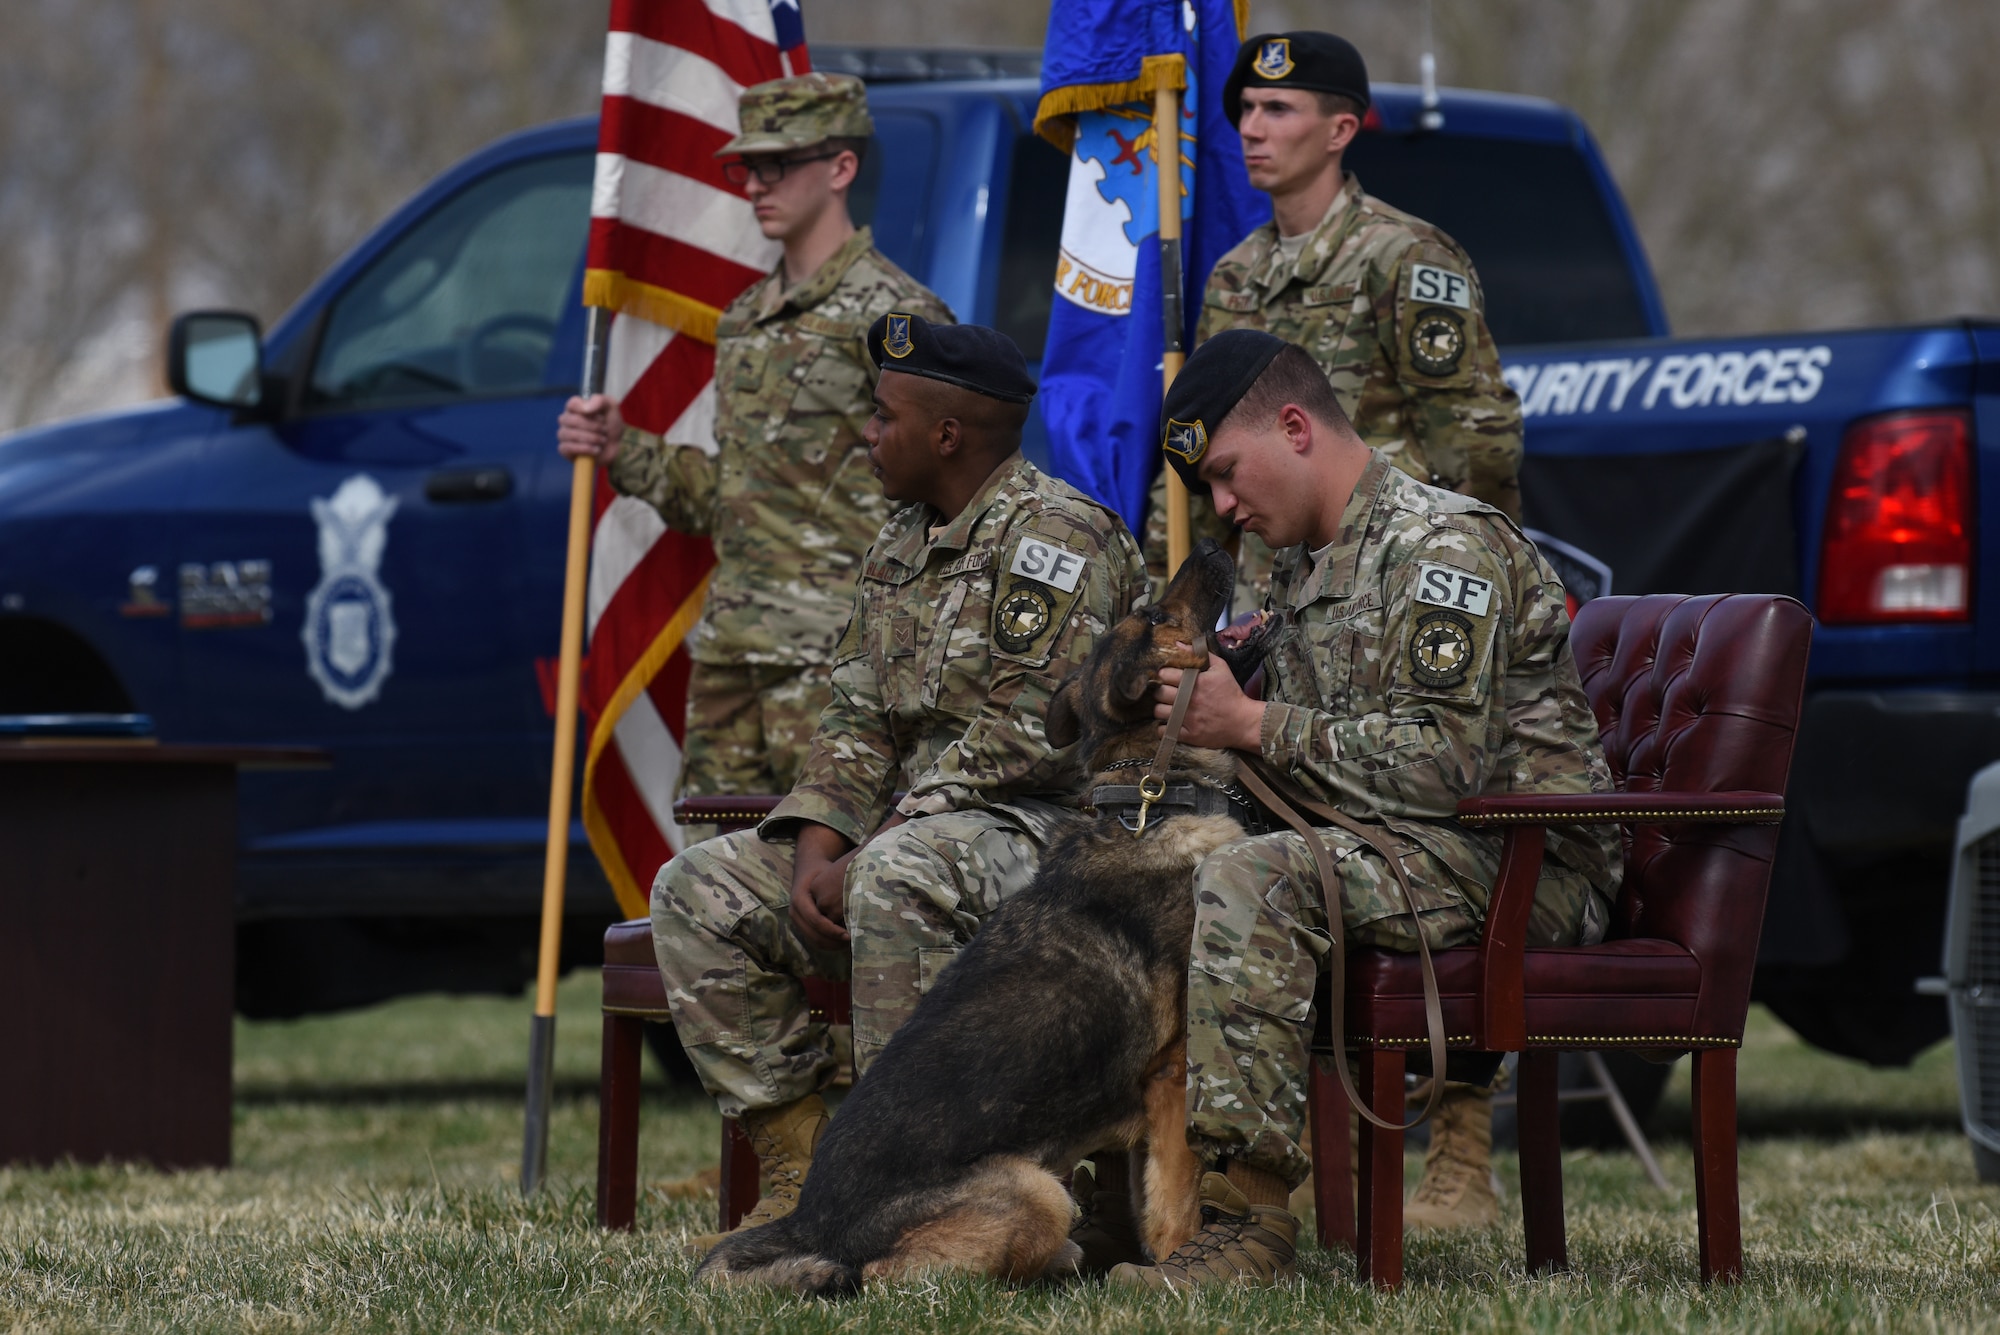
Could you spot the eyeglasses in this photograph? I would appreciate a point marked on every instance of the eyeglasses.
(770, 171)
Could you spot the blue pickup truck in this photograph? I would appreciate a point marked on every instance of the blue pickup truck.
(362, 550)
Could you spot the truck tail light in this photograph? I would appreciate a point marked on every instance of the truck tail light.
(1898, 541)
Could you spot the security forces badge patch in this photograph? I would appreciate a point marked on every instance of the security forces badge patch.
(1189, 440)
(1437, 343)
(350, 629)
(1274, 58)
(896, 337)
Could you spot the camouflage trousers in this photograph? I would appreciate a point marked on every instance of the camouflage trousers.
(749, 728)
(733, 966)
(1260, 940)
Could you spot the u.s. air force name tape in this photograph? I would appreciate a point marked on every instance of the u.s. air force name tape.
(1740, 378)
(1057, 567)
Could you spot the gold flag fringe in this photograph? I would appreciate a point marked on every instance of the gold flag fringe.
(1054, 117)
(628, 296)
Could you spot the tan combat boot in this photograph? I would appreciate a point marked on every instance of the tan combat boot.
(1237, 1242)
(1457, 1188)
(1107, 1232)
(784, 1139)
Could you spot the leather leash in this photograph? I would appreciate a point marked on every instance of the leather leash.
(1263, 785)
(1251, 771)
(1154, 786)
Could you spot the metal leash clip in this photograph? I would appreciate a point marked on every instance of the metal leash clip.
(1151, 789)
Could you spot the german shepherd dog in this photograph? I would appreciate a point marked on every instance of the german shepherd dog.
(1058, 1032)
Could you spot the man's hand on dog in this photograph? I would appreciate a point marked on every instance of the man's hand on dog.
(1220, 714)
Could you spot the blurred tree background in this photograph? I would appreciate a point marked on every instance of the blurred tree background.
(1791, 163)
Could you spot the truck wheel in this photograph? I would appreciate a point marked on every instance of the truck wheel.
(1986, 1161)
(672, 1058)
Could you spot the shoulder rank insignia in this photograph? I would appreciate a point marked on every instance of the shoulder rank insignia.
(896, 338)
(1187, 440)
(1274, 58)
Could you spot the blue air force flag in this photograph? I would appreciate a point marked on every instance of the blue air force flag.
(1102, 369)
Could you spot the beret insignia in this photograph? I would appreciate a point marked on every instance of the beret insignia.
(1189, 440)
(896, 338)
(1274, 58)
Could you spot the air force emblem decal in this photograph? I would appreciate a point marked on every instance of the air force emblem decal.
(349, 630)
(1274, 58)
(896, 338)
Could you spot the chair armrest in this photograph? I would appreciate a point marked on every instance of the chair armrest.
(1730, 808)
(730, 811)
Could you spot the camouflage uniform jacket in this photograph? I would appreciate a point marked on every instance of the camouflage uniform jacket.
(944, 673)
(789, 500)
(1390, 308)
(1425, 659)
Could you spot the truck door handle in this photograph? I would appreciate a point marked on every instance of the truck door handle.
(458, 486)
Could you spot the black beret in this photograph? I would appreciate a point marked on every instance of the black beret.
(1317, 62)
(970, 356)
(1219, 373)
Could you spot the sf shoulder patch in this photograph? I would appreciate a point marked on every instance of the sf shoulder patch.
(1437, 342)
(1451, 631)
(1034, 596)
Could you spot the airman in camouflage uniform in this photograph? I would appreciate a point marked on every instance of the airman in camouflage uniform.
(960, 630)
(1425, 659)
(788, 499)
(1391, 309)
(1421, 657)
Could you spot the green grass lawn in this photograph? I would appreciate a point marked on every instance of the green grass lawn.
(374, 1188)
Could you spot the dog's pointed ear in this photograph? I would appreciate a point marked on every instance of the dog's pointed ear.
(1063, 726)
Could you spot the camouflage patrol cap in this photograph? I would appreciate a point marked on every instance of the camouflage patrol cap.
(1316, 62)
(1220, 372)
(800, 112)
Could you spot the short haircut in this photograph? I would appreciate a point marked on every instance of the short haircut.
(1292, 377)
(990, 425)
(849, 143)
(1332, 104)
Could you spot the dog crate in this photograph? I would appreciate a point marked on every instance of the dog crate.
(1972, 968)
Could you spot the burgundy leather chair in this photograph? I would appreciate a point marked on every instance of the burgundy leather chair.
(1698, 701)
(634, 995)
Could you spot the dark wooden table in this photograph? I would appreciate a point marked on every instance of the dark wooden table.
(117, 948)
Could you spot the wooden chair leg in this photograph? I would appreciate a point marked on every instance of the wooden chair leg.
(1541, 1161)
(1333, 1168)
(1716, 1205)
(739, 1189)
(1379, 1253)
(618, 1122)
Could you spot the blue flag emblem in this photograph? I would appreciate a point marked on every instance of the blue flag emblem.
(1102, 370)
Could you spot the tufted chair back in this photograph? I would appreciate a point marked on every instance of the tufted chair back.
(1697, 694)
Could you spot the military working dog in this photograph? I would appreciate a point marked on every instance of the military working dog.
(1058, 1032)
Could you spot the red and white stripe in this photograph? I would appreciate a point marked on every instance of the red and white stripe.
(662, 216)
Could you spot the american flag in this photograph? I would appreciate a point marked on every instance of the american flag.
(671, 244)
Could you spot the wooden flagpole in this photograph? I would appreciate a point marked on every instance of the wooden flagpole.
(1167, 151)
(555, 865)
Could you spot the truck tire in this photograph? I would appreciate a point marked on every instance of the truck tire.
(1986, 1161)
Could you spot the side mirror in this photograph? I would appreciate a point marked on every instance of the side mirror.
(216, 357)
